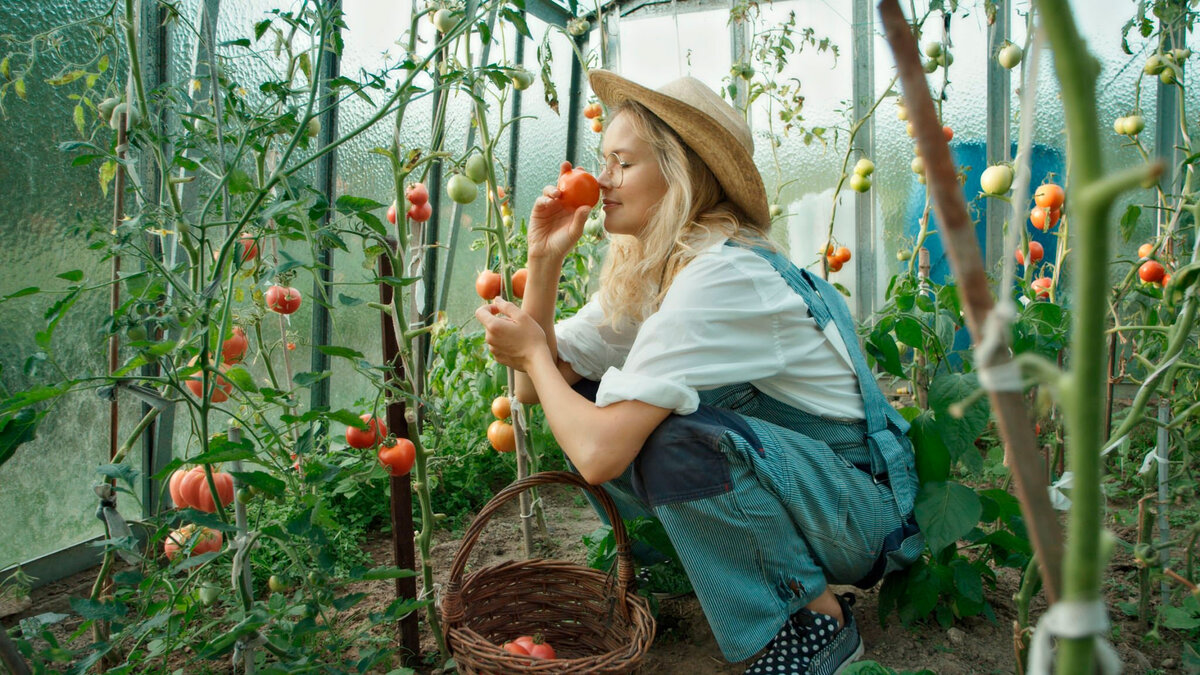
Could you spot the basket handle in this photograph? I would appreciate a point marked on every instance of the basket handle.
(452, 604)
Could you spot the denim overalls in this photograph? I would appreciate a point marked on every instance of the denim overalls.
(765, 503)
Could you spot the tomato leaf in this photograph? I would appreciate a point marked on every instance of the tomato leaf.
(946, 512)
(31, 290)
(261, 480)
(241, 378)
(959, 434)
(16, 430)
(95, 609)
(123, 472)
(344, 352)
(932, 456)
(1129, 221)
(380, 573)
(309, 379)
(221, 449)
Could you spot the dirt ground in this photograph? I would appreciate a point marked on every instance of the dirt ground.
(684, 645)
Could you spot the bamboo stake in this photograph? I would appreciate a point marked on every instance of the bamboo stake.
(962, 248)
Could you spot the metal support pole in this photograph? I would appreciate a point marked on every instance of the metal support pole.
(321, 329)
(1164, 491)
(999, 90)
(865, 239)
(739, 52)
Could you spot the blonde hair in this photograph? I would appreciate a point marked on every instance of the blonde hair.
(693, 213)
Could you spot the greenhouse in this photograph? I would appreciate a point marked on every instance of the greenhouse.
(644, 336)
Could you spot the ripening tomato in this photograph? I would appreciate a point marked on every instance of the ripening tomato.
(842, 254)
(1041, 286)
(515, 647)
(833, 263)
(1036, 253)
(592, 111)
(502, 436)
(220, 391)
(488, 284)
(578, 188)
(1049, 196)
(391, 213)
(398, 457)
(247, 249)
(420, 213)
(365, 438)
(542, 650)
(233, 350)
(948, 133)
(283, 299)
(207, 541)
(1151, 272)
(1042, 219)
(1145, 250)
(518, 282)
(501, 407)
(416, 194)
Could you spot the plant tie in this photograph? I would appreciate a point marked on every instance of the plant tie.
(1073, 619)
(993, 375)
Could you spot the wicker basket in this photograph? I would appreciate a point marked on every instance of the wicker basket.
(596, 624)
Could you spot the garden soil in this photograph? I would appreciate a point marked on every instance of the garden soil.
(684, 645)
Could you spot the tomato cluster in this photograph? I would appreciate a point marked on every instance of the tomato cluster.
(1049, 199)
(488, 284)
(1151, 271)
(836, 257)
(595, 113)
(189, 489)
(501, 434)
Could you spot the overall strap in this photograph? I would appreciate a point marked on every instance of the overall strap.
(825, 304)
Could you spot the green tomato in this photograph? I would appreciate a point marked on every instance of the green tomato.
(933, 49)
(461, 189)
(902, 113)
(244, 495)
(445, 20)
(904, 255)
(996, 179)
(1180, 55)
(313, 128)
(1010, 55)
(105, 108)
(1167, 76)
(278, 584)
(1134, 124)
(860, 183)
(946, 59)
(775, 210)
(209, 593)
(1119, 125)
(931, 65)
(476, 169)
(136, 333)
(593, 227)
(522, 79)
(578, 27)
(864, 167)
(1154, 65)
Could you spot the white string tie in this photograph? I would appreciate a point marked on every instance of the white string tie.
(1067, 619)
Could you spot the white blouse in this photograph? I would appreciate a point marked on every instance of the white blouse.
(728, 318)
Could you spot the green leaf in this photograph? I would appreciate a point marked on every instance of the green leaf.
(909, 331)
(882, 347)
(261, 480)
(932, 457)
(1129, 221)
(239, 181)
(379, 573)
(108, 171)
(93, 609)
(30, 290)
(77, 117)
(74, 276)
(19, 87)
(959, 434)
(946, 512)
(309, 379)
(122, 472)
(260, 28)
(242, 379)
(344, 352)
(1179, 619)
(349, 300)
(221, 449)
(16, 430)
(967, 580)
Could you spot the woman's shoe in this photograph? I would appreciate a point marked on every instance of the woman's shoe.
(811, 643)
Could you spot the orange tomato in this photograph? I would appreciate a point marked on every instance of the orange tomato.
(208, 540)
(501, 407)
(502, 436)
(597, 125)
(578, 188)
(1049, 196)
(592, 111)
(948, 133)
(1152, 272)
(1036, 253)
(1044, 219)
(834, 264)
(842, 254)
(220, 391)
(487, 284)
(518, 282)
(1145, 250)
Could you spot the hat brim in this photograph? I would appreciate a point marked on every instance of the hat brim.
(728, 159)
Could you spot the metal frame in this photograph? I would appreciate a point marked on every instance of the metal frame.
(999, 109)
(863, 45)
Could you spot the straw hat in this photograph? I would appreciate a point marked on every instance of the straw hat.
(712, 128)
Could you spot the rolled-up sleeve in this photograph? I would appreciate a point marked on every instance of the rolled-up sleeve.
(589, 344)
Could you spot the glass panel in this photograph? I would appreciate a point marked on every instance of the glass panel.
(46, 487)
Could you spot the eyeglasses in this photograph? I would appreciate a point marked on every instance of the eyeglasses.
(615, 166)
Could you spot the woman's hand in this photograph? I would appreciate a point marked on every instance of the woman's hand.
(553, 228)
(513, 336)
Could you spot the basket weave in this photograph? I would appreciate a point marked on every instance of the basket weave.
(596, 624)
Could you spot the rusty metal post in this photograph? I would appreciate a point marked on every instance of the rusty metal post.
(403, 551)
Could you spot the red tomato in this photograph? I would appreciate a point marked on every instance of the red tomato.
(515, 647)
(592, 111)
(597, 125)
(208, 540)
(525, 641)
(518, 282)
(196, 494)
(1036, 253)
(398, 457)
(834, 263)
(247, 250)
(220, 391)
(365, 438)
(1041, 286)
(578, 188)
(420, 212)
(391, 213)
(173, 487)
(487, 284)
(542, 651)
(1049, 196)
(1043, 220)
(417, 194)
(233, 350)
(1152, 272)
(842, 254)
(283, 299)
(948, 133)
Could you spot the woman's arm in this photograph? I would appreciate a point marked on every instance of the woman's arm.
(601, 442)
(541, 289)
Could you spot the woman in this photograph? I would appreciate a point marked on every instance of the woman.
(714, 386)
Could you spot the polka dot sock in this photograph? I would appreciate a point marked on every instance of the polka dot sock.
(811, 644)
